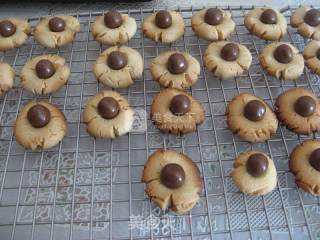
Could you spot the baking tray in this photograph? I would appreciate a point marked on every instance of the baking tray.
(91, 189)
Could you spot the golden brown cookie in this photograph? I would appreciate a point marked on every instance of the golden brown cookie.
(118, 67)
(44, 74)
(307, 20)
(266, 23)
(172, 180)
(40, 125)
(254, 173)
(251, 118)
(108, 115)
(113, 28)
(227, 60)
(163, 26)
(212, 24)
(7, 75)
(282, 60)
(174, 111)
(304, 163)
(56, 31)
(175, 69)
(311, 55)
(13, 33)
(299, 110)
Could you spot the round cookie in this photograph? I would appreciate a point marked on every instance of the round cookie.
(304, 163)
(172, 180)
(7, 75)
(56, 31)
(13, 33)
(44, 74)
(311, 55)
(40, 125)
(113, 28)
(282, 60)
(254, 173)
(251, 118)
(163, 26)
(299, 110)
(212, 24)
(108, 115)
(227, 60)
(266, 23)
(175, 69)
(307, 20)
(174, 111)
(118, 67)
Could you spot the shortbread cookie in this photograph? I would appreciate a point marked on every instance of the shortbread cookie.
(282, 60)
(307, 20)
(44, 74)
(304, 163)
(56, 31)
(172, 180)
(254, 173)
(266, 23)
(108, 115)
(227, 59)
(13, 33)
(175, 69)
(311, 55)
(113, 28)
(163, 26)
(40, 125)
(118, 67)
(174, 111)
(7, 75)
(212, 24)
(299, 110)
(251, 118)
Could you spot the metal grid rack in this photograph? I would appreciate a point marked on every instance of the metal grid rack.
(91, 189)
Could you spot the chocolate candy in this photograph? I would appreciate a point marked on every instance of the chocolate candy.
(213, 16)
(172, 176)
(305, 106)
(314, 159)
(257, 164)
(312, 17)
(45, 69)
(283, 53)
(180, 104)
(254, 110)
(113, 19)
(269, 16)
(38, 116)
(108, 108)
(117, 60)
(230, 52)
(318, 54)
(57, 24)
(7, 28)
(163, 19)
(177, 63)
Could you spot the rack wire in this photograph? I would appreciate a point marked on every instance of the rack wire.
(91, 189)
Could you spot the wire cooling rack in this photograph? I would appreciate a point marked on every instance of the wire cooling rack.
(91, 189)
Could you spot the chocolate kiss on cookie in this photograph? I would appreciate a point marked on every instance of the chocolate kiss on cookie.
(305, 106)
(312, 17)
(7, 28)
(113, 19)
(213, 16)
(230, 52)
(314, 159)
(172, 176)
(257, 164)
(269, 16)
(44, 69)
(117, 60)
(283, 54)
(254, 110)
(177, 63)
(38, 116)
(108, 108)
(57, 24)
(180, 104)
(163, 19)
